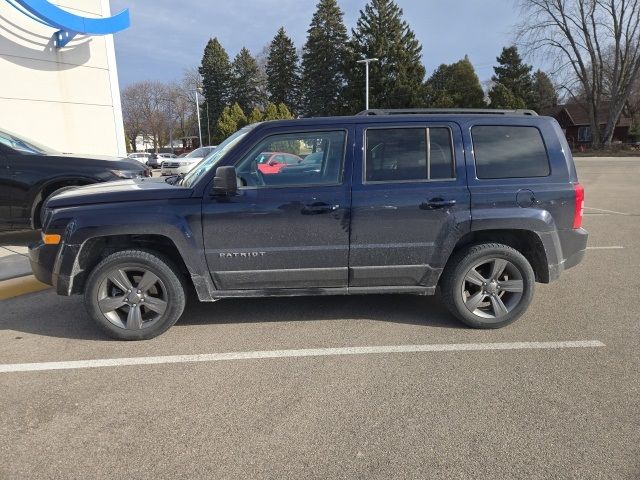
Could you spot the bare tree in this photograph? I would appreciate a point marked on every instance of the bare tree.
(596, 44)
(131, 108)
(146, 111)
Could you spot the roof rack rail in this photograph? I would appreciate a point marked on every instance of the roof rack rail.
(445, 111)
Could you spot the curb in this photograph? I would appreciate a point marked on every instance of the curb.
(14, 266)
(17, 287)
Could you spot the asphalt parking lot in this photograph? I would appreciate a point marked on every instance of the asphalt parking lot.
(460, 408)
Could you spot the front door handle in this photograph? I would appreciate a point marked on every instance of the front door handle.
(437, 204)
(319, 208)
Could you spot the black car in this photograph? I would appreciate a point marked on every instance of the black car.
(30, 173)
(482, 204)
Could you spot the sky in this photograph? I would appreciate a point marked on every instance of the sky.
(168, 36)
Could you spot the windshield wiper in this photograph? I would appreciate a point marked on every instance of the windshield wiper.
(174, 179)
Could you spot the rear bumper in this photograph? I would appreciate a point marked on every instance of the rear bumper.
(572, 247)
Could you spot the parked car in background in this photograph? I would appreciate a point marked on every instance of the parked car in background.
(480, 205)
(31, 173)
(156, 159)
(177, 166)
(312, 163)
(272, 162)
(142, 157)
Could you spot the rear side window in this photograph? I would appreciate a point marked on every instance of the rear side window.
(409, 154)
(509, 152)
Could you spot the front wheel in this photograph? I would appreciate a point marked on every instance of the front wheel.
(135, 295)
(488, 285)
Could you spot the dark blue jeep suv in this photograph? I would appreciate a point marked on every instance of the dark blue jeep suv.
(480, 204)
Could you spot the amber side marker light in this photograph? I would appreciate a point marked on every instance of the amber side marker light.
(51, 238)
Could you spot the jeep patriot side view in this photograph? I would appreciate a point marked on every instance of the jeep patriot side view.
(481, 204)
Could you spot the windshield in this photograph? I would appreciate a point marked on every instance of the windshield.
(218, 154)
(24, 145)
(199, 153)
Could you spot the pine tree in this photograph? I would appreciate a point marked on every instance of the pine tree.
(216, 79)
(545, 95)
(270, 112)
(502, 97)
(231, 120)
(282, 70)
(514, 75)
(455, 86)
(255, 116)
(323, 61)
(283, 112)
(246, 80)
(396, 80)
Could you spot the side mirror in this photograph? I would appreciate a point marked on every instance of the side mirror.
(225, 181)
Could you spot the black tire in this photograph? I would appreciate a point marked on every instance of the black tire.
(461, 288)
(169, 291)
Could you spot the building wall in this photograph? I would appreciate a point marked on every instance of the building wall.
(68, 99)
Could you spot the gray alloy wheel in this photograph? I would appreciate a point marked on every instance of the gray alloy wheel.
(488, 285)
(492, 288)
(135, 294)
(132, 298)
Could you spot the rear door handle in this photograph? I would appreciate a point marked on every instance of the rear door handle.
(437, 204)
(319, 208)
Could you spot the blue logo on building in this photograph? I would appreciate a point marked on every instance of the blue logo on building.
(68, 24)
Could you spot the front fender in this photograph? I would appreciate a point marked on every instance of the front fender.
(179, 222)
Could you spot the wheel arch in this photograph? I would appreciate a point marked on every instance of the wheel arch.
(96, 249)
(527, 242)
(48, 188)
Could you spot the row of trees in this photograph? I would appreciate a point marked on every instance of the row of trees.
(596, 41)
(163, 114)
(326, 79)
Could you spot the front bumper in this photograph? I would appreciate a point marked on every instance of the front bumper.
(45, 263)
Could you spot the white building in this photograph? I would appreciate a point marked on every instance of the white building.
(68, 98)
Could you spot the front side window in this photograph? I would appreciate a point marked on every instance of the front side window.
(409, 154)
(509, 152)
(295, 159)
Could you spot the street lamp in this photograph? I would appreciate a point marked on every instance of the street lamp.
(366, 62)
(198, 89)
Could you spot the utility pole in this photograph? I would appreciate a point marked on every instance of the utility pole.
(208, 126)
(198, 110)
(366, 62)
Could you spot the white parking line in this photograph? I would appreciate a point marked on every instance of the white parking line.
(607, 211)
(316, 352)
(614, 247)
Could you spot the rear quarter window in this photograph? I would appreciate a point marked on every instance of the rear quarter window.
(509, 152)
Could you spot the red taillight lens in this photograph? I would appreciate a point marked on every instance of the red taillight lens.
(579, 208)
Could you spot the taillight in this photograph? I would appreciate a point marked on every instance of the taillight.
(579, 207)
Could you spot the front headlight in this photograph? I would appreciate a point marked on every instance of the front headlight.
(125, 174)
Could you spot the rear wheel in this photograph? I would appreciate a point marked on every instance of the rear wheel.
(488, 285)
(135, 295)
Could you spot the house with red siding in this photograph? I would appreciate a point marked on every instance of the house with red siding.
(574, 120)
